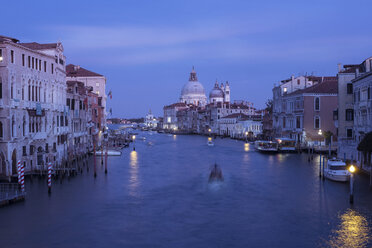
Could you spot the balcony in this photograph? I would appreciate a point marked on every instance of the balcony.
(14, 103)
(40, 135)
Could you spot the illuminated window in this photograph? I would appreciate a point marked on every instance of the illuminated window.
(285, 90)
(1, 55)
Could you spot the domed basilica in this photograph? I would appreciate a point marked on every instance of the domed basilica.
(193, 92)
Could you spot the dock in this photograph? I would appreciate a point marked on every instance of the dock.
(10, 193)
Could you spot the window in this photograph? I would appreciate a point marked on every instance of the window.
(29, 61)
(45, 66)
(33, 62)
(11, 91)
(52, 67)
(1, 88)
(349, 114)
(298, 121)
(29, 91)
(316, 104)
(39, 64)
(24, 152)
(349, 88)
(284, 122)
(369, 93)
(316, 122)
(1, 55)
(23, 60)
(36, 63)
(1, 130)
(335, 115)
(23, 92)
(298, 81)
(285, 90)
(349, 133)
(12, 56)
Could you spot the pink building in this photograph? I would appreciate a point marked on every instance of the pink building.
(308, 113)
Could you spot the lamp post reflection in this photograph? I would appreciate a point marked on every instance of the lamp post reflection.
(133, 180)
(352, 232)
(246, 147)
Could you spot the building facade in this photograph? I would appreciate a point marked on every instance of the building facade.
(32, 93)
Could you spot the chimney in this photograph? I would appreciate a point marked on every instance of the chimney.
(339, 67)
(76, 67)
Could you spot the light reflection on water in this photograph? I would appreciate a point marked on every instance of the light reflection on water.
(246, 147)
(133, 181)
(353, 231)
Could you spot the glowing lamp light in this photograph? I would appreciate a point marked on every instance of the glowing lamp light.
(209, 130)
(352, 168)
(246, 133)
(134, 137)
(209, 139)
(320, 132)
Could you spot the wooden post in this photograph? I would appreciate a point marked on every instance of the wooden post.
(94, 156)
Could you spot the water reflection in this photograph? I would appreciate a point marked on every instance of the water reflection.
(133, 180)
(174, 137)
(246, 147)
(352, 232)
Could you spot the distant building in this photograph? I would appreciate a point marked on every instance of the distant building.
(90, 79)
(150, 120)
(240, 126)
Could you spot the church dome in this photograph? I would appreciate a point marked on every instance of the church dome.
(193, 91)
(216, 92)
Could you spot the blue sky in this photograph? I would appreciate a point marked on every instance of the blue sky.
(146, 48)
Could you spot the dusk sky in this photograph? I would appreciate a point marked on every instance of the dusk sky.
(146, 49)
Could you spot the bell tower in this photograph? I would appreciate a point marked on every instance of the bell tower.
(227, 92)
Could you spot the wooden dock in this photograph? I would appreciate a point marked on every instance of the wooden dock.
(10, 193)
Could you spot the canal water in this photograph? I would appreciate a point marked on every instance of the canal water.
(159, 196)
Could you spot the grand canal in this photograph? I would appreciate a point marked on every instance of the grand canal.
(159, 196)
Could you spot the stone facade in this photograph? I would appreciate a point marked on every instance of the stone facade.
(33, 89)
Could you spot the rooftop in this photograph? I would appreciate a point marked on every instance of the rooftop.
(325, 87)
(38, 46)
(77, 71)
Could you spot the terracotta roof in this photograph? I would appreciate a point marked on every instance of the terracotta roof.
(77, 71)
(174, 105)
(327, 87)
(5, 38)
(38, 46)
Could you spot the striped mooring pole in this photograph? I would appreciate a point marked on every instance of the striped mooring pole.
(49, 177)
(22, 177)
(19, 171)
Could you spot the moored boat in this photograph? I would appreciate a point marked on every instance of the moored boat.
(266, 146)
(336, 170)
(210, 142)
(286, 144)
(109, 153)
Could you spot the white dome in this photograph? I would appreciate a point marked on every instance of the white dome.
(193, 92)
(193, 88)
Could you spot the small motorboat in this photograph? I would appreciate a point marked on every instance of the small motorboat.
(109, 153)
(336, 170)
(216, 174)
(210, 142)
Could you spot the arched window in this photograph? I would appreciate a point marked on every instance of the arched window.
(24, 126)
(1, 88)
(316, 104)
(1, 130)
(13, 126)
(316, 122)
(29, 90)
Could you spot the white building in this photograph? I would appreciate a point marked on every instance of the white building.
(150, 120)
(193, 91)
(32, 100)
(362, 87)
(240, 126)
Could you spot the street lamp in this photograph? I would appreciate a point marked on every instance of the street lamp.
(246, 137)
(134, 143)
(352, 170)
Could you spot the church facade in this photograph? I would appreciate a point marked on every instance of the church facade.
(195, 113)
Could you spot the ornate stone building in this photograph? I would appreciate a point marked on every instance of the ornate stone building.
(32, 104)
